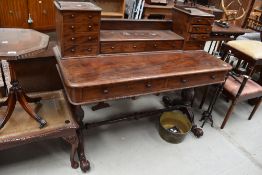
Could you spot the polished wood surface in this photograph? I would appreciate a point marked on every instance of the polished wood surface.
(119, 75)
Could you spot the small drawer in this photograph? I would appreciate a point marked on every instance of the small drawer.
(80, 50)
(123, 90)
(81, 38)
(194, 45)
(191, 80)
(80, 28)
(199, 37)
(118, 47)
(80, 17)
(163, 45)
(201, 20)
(200, 29)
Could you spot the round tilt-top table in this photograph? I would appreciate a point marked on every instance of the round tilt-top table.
(17, 44)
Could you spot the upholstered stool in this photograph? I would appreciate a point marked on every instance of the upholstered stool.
(248, 55)
(60, 124)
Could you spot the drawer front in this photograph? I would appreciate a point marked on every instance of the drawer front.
(201, 20)
(117, 47)
(81, 38)
(199, 37)
(81, 28)
(122, 90)
(80, 50)
(194, 45)
(200, 29)
(164, 45)
(80, 17)
(191, 80)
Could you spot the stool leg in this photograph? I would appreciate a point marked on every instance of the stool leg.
(255, 108)
(73, 140)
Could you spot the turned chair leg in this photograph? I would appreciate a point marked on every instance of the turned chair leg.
(229, 112)
(255, 108)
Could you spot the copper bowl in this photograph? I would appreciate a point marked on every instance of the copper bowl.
(174, 126)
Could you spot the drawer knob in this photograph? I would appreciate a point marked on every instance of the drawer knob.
(89, 38)
(73, 39)
(73, 50)
(148, 85)
(105, 91)
(89, 27)
(213, 77)
(199, 20)
(89, 49)
(197, 29)
(184, 80)
(90, 16)
(155, 45)
(72, 27)
(112, 47)
(134, 47)
(72, 16)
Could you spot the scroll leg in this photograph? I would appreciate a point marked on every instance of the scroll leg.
(73, 140)
(79, 114)
(11, 101)
(29, 110)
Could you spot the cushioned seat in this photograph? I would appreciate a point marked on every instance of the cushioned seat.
(248, 47)
(251, 89)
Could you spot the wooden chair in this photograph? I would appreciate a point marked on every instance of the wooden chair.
(239, 86)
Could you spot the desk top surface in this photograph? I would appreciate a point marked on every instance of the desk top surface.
(138, 35)
(21, 42)
(233, 29)
(119, 68)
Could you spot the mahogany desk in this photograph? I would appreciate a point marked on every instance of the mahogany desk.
(109, 77)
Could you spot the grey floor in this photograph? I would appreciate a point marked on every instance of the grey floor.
(135, 148)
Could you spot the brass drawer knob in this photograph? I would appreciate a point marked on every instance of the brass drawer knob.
(134, 47)
(89, 49)
(199, 20)
(73, 50)
(213, 77)
(184, 80)
(72, 27)
(90, 16)
(112, 47)
(155, 45)
(105, 91)
(89, 27)
(89, 38)
(197, 29)
(73, 39)
(148, 85)
(72, 16)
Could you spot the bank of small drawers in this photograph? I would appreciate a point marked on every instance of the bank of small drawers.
(115, 91)
(81, 33)
(140, 46)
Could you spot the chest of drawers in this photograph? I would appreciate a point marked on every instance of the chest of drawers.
(194, 25)
(78, 28)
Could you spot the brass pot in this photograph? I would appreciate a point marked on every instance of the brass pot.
(174, 126)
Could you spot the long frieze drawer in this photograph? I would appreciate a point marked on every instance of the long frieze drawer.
(200, 29)
(194, 45)
(201, 20)
(81, 38)
(190, 80)
(199, 37)
(80, 17)
(115, 91)
(80, 50)
(140, 46)
(78, 28)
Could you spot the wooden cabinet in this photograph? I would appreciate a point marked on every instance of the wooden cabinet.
(36, 14)
(13, 13)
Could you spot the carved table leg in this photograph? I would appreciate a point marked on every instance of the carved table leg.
(84, 163)
(22, 100)
(10, 102)
(73, 140)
